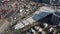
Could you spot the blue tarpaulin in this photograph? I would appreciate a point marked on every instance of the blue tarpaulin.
(43, 14)
(37, 17)
(40, 16)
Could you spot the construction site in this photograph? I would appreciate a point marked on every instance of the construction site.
(29, 16)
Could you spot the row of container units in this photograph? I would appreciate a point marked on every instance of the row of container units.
(3, 13)
(47, 1)
(42, 1)
(24, 23)
(6, 13)
(38, 15)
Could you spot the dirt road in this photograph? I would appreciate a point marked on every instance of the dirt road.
(4, 24)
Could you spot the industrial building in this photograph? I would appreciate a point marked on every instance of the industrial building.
(29, 16)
